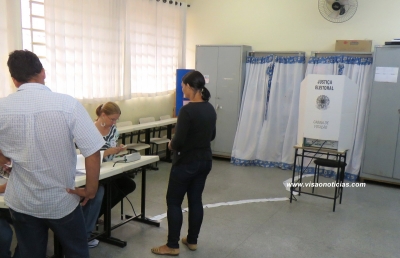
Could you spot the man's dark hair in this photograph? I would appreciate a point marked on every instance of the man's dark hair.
(23, 65)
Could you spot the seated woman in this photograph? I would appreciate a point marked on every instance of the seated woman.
(107, 116)
(6, 232)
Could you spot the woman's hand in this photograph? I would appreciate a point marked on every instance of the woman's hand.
(118, 149)
(113, 150)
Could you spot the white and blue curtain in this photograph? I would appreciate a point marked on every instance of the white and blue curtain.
(359, 70)
(267, 127)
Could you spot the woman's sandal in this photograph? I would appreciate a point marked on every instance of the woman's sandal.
(165, 250)
(192, 247)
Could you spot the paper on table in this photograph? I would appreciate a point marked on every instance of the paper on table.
(80, 172)
(80, 161)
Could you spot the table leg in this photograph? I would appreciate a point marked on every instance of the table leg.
(301, 170)
(142, 217)
(106, 235)
(336, 187)
(123, 139)
(294, 173)
(342, 178)
(168, 151)
(147, 141)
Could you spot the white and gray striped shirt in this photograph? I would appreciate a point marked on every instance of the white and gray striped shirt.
(37, 128)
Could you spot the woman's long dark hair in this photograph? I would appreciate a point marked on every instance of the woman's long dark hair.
(196, 80)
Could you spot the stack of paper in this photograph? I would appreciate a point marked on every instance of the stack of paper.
(80, 161)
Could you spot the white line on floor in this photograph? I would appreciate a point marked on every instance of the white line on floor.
(164, 215)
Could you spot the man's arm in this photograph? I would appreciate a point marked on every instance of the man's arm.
(3, 188)
(92, 164)
(4, 160)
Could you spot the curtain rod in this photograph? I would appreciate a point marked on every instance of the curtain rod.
(283, 53)
(171, 2)
(324, 53)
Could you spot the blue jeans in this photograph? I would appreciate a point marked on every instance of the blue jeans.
(6, 235)
(91, 211)
(5, 238)
(186, 178)
(32, 234)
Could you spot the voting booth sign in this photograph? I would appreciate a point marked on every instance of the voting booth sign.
(327, 111)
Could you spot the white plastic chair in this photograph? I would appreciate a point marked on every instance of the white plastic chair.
(155, 141)
(163, 118)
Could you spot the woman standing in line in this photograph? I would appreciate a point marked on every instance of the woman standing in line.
(191, 164)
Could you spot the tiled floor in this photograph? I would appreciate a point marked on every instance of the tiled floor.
(366, 224)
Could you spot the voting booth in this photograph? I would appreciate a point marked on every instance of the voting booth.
(327, 112)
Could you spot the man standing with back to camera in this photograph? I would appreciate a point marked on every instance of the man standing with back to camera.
(37, 129)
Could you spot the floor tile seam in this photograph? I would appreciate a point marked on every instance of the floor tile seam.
(238, 246)
(274, 213)
(348, 249)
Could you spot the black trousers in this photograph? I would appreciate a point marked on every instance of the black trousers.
(120, 188)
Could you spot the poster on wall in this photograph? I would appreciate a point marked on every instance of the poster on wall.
(180, 100)
(386, 74)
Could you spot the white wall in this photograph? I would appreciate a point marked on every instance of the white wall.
(285, 25)
(136, 108)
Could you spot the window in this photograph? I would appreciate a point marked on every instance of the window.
(116, 51)
(33, 28)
